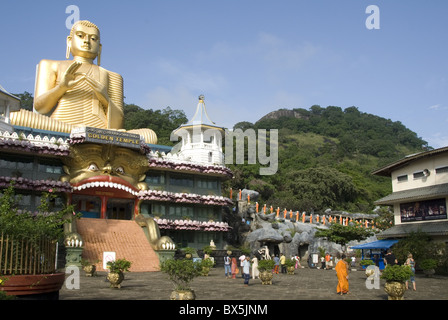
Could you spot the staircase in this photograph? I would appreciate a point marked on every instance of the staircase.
(124, 237)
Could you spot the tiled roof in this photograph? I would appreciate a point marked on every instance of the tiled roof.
(413, 194)
(433, 228)
(387, 170)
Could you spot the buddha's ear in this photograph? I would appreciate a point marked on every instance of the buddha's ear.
(67, 53)
(98, 59)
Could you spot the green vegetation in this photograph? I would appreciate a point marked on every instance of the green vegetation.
(181, 272)
(423, 250)
(396, 273)
(32, 226)
(326, 156)
(119, 265)
(342, 235)
(266, 265)
(163, 122)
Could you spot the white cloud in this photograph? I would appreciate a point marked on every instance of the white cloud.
(438, 140)
(438, 107)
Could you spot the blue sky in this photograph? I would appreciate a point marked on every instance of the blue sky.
(252, 57)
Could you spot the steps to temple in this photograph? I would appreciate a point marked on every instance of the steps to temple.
(124, 237)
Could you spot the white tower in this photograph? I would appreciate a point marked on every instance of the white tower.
(201, 138)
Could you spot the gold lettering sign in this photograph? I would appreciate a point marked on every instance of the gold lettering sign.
(123, 139)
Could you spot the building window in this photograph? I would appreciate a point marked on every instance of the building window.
(402, 178)
(442, 170)
(423, 210)
(182, 181)
(207, 184)
(155, 178)
(418, 175)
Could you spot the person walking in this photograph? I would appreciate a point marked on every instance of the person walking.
(277, 264)
(227, 268)
(389, 258)
(255, 271)
(242, 258)
(234, 268)
(342, 274)
(246, 271)
(411, 263)
(327, 261)
(283, 262)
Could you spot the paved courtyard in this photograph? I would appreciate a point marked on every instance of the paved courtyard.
(305, 284)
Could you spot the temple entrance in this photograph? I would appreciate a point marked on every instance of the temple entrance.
(103, 207)
(302, 252)
(120, 209)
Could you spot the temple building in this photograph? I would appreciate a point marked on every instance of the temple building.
(419, 195)
(174, 198)
(138, 200)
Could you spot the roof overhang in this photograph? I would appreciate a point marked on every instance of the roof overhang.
(379, 244)
(386, 171)
(424, 193)
(433, 228)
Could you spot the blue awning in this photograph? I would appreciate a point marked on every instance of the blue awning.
(380, 244)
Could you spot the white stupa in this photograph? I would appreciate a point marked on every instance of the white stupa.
(201, 138)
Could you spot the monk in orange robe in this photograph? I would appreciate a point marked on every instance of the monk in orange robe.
(342, 274)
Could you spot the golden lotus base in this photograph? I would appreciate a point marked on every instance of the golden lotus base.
(395, 290)
(266, 277)
(115, 279)
(183, 295)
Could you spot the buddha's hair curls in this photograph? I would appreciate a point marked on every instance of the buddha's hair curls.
(85, 23)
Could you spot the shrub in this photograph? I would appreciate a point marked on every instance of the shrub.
(428, 264)
(119, 265)
(266, 265)
(181, 272)
(396, 273)
(290, 263)
(366, 262)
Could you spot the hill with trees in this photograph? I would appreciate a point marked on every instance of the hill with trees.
(326, 156)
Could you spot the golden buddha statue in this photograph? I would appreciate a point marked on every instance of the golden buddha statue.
(77, 92)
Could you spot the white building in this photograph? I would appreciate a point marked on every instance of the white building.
(8, 103)
(419, 194)
(201, 138)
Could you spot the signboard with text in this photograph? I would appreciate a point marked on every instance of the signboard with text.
(105, 136)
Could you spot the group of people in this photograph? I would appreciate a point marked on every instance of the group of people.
(342, 271)
(389, 259)
(244, 264)
(233, 266)
(249, 266)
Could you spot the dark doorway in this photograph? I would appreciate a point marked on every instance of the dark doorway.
(120, 209)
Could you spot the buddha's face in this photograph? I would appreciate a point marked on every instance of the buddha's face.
(84, 42)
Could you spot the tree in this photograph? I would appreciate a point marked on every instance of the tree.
(26, 100)
(342, 235)
(163, 122)
(420, 245)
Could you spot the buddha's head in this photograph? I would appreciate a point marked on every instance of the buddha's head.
(84, 41)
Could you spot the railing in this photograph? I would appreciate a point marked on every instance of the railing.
(22, 257)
